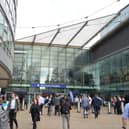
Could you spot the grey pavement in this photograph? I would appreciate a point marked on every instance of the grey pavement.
(105, 121)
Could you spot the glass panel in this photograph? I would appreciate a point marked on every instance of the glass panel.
(35, 62)
(67, 33)
(26, 47)
(19, 47)
(45, 37)
(35, 76)
(90, 29)
(44, 75)
(26, 39)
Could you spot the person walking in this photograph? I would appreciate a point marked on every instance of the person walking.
(57, 104)
(96, 103)
(41, 101)
(65, 113)
(26, 102)
(35, 113)
(125, 114)
(50, 105)
(4, 103)
(118, 105)
(13, 108)
(85, 106)
(3, 117)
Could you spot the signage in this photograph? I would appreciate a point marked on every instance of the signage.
(63, 86)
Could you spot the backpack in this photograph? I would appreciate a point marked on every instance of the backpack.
(65, 109)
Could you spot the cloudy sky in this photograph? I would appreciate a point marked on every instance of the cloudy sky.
(36, 16)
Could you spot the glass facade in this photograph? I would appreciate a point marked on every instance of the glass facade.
(122, 16)
(114, 70)
(70, 66)
(50, 65)
(111, 73)
(7, 25)
(36, 62)
(7, 31)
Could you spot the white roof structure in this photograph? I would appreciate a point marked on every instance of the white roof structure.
(79, 35)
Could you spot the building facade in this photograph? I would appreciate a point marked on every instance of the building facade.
(103, 68)
(8, 16)
(50, 65)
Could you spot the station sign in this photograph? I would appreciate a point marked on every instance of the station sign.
(62, 86)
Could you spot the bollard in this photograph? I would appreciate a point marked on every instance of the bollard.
(78, 107)
(109, 107)
(122, 106)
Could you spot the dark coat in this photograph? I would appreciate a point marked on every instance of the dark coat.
(96, 102)
(65, 106)
(35, 112)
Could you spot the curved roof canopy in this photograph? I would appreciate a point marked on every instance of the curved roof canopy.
(76, 35)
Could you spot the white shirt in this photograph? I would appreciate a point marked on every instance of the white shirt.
(76, 99)
(41, 100)
(13, 104)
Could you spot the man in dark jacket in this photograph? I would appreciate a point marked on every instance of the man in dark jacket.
(65, 112)
(96, 103)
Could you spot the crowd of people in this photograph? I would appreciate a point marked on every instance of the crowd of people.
(58, 105)
(9, 108)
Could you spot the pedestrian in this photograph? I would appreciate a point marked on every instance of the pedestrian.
(118, 105)
(4, 103)
(41, 101)
(50, 105)
(26, 102)
(35, 113)
(3, 117)
(85, 106)
(65, 113)
(13, 108)
(96, 103)
(57, 104)
(125, 114)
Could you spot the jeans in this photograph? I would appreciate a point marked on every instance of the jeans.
(65, 121)
(12, 118)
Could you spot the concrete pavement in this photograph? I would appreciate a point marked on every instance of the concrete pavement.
(105, 121)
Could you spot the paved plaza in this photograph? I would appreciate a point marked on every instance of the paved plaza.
(105, 121)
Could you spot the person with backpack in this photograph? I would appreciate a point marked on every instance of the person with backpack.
(65, 113)
(3, 117)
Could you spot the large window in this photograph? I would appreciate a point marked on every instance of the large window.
(50, 65)
(115, 69)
